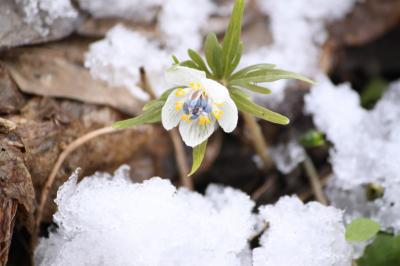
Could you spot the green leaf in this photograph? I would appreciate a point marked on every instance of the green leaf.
(231, 43)
(198, 60)
(268, 75)
(374, 191)
(312, 139)
(384, 251)
(361, 229)
(153, 104)
(151, 115)
(244, 104)
(213, 52)
(198, 156)
(254, 87)
(247, 70)
(158, 102)
(165, 94)
(175, 59)
(373, 92)
(191, 64)
(236, 60)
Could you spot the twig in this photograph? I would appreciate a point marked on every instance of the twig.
(180, 158)
(50, 180)
(259, 143)
(180, 155)
(314, 180)
(268, 184)
(260, 232)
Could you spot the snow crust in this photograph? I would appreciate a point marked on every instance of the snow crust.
(117, 58)
(41, 14)
(108, 220)
(298, 31)
(136, 10)
(302, 235)
(366, 149)
(288, 155)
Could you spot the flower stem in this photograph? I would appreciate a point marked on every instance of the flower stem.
(314, 180)
(258, 140)
(179, 149)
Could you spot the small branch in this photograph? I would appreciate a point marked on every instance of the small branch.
(314, 180)
(61, 158)
(260, 232)
(180, 155)
(268, 184)
(180, 158)
(259, 143)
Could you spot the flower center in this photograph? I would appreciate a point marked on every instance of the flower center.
(197, 107)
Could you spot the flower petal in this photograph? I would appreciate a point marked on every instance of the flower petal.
(229, 118)
(183, 76)
(194, 134)
(217, 92)
(170, 116)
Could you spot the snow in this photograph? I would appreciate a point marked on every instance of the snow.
(298, 31)
(117, 59)
(302, 235)
(287, 155)
(180, 22)
(136, 10)
(108, 220)
(41, 14)
(366, 149)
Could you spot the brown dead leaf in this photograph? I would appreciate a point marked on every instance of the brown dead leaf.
(56, 70)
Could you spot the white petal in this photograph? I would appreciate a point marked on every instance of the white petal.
(194, 134)
(229, 117)
(170, 117)
(183, 76)
(217, 92)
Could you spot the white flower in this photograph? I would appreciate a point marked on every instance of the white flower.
(197, 105)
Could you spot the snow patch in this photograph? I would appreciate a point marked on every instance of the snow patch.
(366, 149)
(302, 235)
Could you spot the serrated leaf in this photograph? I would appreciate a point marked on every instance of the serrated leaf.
(198, 60)
(268, 75)
(213, 52)
(198, 156)
(231, 41)
(312, 139)
(384, 251)
(244, 104)
(247, 70)
(254, 87)
(152, 115)
(361, 229)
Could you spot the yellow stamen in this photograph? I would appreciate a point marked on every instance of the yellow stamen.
(180, 92)
(219, 104)
(185, 118)
(195, 85)
(217, 113)
(178, 105)
(204, 120)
